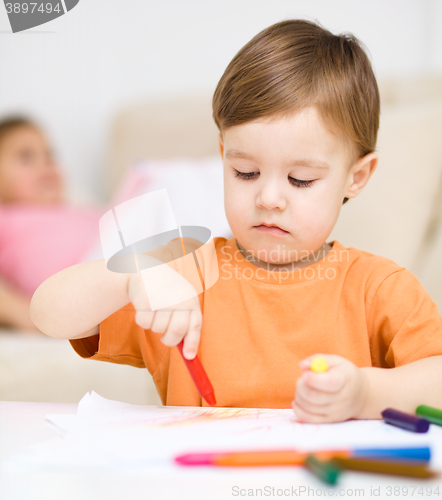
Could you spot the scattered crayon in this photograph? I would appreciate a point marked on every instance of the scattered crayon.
(400, 468)
(414, 453)
(431, 414)
(405, 420)
(327, 471)
(327, 464)
(295, 457)
(267, 458)
(204, 458)
(319, 364)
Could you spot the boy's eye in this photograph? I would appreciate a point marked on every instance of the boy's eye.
(299, 183)
(251, 175)
(245, 175)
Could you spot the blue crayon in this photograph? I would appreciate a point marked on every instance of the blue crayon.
(418, 453)
(405, 420)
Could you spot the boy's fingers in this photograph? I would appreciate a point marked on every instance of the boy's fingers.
(304, 415)
(161, 321)
(177, 328)
(332, 381)
(144, 319)
(312, 396)
(192, 339)
(311, 406)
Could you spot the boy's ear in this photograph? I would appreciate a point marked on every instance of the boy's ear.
(220, 145)
(360, 173)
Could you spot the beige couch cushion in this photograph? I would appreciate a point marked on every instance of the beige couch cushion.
(34, 367)
(390, 217)
(176, 127)
(399, 90)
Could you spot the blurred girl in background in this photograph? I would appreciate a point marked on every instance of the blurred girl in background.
(40, 233)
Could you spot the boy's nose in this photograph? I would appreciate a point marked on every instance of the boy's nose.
(271, 197)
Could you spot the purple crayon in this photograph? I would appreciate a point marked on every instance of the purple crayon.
(405, 420)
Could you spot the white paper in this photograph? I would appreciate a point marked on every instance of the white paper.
(107, 433)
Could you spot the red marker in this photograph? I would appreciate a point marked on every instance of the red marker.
(199, 376)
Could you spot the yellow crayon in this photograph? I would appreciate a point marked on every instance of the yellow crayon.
(319, 364)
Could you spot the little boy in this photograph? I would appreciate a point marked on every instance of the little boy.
(298, 114)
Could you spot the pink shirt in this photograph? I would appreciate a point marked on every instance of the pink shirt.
(37, 241)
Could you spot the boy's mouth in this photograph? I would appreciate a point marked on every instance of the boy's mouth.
(271, 228)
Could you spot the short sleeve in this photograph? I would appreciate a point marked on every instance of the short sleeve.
(403, 321)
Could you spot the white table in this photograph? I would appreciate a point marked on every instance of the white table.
(23, 424)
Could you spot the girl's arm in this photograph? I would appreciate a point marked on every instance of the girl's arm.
(14, 308)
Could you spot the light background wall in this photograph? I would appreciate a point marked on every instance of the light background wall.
(75, 72)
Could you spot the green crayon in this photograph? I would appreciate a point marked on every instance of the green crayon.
(325, 470)
(432, 414)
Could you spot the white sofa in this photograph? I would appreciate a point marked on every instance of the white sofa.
(398, 215)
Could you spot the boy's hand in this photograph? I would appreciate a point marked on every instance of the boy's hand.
(183, 320)
(335, 395)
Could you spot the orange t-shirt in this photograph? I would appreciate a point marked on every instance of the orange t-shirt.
(258, 325)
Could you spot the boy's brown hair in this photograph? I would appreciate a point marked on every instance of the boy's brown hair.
(294, 64)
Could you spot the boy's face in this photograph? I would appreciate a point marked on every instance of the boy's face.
(28, 172)
(264, 163)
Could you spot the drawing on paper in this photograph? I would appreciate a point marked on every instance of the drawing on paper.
(202, 415)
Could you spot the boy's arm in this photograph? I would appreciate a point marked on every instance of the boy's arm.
(72, 303)
(422, 380)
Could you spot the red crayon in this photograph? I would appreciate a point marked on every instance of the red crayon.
(196, 369)
(199, 376)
